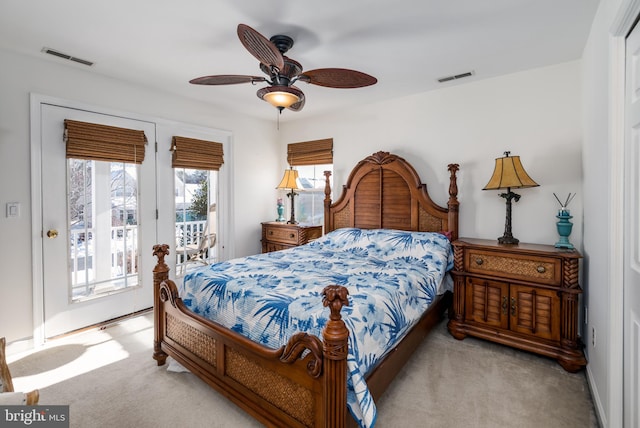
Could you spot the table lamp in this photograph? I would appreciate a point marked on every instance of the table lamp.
(509, 173)
(290, 181)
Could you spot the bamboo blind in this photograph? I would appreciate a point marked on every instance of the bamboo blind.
(315, 152)
(103, 143)
(196, 154)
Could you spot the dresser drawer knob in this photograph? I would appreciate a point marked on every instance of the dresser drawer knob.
(292, 235)
(479, 261)
(271, 232)
(541, 269)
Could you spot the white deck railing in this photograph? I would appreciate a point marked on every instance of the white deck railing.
(123, 257)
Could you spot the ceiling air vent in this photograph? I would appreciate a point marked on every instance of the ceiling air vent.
(456, 77)
(65, 56)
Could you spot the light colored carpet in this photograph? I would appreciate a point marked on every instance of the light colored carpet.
(109, 379)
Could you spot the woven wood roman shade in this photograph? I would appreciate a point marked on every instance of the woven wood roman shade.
(317, 152)
(196, 154)
(103, 143)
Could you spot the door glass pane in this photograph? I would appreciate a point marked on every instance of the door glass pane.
(310, 200)
(196, 218)
(102, 205)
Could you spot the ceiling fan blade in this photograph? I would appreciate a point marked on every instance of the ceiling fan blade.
(260, 47)
(298, 106)
(338, 78)
(226, 79)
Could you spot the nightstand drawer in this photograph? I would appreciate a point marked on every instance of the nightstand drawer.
(545, 270)
(280, 236)
(284, 235)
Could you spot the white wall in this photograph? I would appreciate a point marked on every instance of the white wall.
(603, 292)
(535, 114)
(254, 145)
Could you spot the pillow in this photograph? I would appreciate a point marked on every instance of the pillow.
(346, 239)
(447, 233)
(390, 244)
(400, 243)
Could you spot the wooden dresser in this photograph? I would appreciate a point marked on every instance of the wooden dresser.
(525, 296)
(279, 236)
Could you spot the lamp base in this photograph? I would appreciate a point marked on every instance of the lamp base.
(509, 240)
(292, 195)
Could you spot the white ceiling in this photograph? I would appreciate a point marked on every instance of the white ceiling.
(406, 44)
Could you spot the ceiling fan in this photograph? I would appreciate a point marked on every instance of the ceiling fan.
(283, 72)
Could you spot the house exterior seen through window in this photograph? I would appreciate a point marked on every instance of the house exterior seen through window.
(102, 209)
(310, 199)
(196, 217)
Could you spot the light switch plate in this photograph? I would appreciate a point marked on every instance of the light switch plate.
(13, 209)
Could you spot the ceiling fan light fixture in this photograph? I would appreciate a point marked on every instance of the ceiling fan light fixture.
(280, 97)
(283, 72)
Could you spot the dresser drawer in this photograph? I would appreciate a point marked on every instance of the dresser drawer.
(282, 234)
(543, 270)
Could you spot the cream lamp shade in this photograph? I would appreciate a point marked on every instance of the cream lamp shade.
(509, 172)
(289, 180)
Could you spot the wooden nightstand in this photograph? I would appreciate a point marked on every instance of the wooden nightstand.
(525, 296)
(279, 236)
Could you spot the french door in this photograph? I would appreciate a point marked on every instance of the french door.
(98, 226)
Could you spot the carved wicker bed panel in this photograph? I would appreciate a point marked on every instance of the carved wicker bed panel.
(279, 387)
(289, 391)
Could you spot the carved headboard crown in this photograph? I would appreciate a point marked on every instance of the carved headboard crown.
(385, 191)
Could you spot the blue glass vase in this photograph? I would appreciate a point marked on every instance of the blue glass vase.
(564, 226)
(281, 213)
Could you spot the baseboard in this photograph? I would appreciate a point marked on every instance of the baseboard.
(601, 414)
(18, 347)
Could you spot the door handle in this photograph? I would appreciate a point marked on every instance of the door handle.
(52, 233)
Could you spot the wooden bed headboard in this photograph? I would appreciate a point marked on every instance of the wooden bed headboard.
(385, 192)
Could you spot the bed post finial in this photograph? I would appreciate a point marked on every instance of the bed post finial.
(161, 270)
(453, 200)
(335, 297)
(335, 338)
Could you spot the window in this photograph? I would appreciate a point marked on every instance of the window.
(110, 230)
(196, 164)
(311, 159)
(102, 207)
(310, 200)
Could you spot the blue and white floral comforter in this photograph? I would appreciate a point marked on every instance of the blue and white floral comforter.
(392, 277)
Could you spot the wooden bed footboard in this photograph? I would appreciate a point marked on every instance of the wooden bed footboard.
(303, 384)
